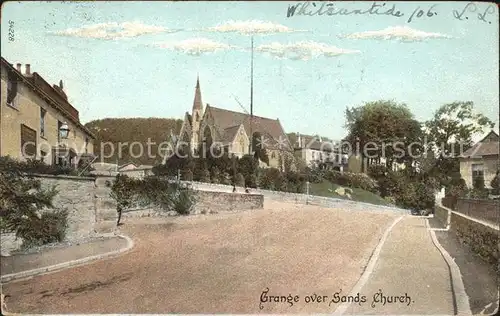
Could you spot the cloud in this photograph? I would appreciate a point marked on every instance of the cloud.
(302, 50)
(195, 46)
(251, 27)
(402, 33)
(113, 30)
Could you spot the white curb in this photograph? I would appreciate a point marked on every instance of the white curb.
(459, 294)
(64, 265)
(369, 268)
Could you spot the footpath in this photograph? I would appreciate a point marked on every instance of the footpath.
(409, 275)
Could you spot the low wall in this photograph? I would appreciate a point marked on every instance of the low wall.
(208, 202)
(441, 214)
(91, 211)
(485, 210)
(482, 238)
(296, 197)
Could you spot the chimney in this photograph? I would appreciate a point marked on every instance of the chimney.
(61, 84)
(18, 67)
(28, 71)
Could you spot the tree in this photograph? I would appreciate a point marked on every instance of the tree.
(388, 127)
(258, 147)
(449, 133)
(495, 184)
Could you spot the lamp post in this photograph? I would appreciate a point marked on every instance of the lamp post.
(64, 131)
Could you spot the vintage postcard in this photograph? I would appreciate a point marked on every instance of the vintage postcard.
(249, 157)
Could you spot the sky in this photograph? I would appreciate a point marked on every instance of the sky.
(141, 59)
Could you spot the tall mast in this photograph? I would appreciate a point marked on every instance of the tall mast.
(251, 102)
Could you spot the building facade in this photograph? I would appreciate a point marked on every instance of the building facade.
(481, 160)
(319, 151)
(37, 121)
(233, 131)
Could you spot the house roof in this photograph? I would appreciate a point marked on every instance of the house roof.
(43, 89)
(226, 119)
(313, 142)
(488, 146)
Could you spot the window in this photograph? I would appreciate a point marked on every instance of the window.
(42, 122)
(43, 154)
(197, 117)
(273, 156)
(11, 90)
(86, 144)
(477, 173)
(28, 142)
(59, 124)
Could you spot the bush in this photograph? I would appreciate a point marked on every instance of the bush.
(353, 180)
(167, 196)
(225, 178)
(239, 180)
(205, 176)
(183, 202)
(416, 196)
(49, 228)
(215, 176)
(478, 183)
(251, 180)
(188, 175)
(33, 166)
(26, 209)
(495, 184)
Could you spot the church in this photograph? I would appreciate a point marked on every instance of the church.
(233, 131)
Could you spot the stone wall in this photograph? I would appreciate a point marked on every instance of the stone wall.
(441, 213)
(484, 210)
(299, 198)
(482, 238)
(92, 212)
(209, 202)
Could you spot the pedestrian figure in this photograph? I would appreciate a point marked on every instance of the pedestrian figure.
(234, 187)
(247, 190)
(119, 210)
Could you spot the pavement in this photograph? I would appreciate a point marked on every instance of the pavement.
(412, 269)
(311, 259)
(481, 281)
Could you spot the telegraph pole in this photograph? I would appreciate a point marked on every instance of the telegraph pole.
(251, 102)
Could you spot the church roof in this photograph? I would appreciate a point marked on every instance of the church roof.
(230, 133)
(197, 102)
(226, 119)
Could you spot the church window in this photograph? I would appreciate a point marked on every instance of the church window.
(197, 117)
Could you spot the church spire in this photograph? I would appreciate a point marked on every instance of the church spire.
(197, 103)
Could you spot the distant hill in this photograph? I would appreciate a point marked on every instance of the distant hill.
(129, 130)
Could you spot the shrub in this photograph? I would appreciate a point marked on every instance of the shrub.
(225, 178)
(215, 176)
(26, 209)
(50, 227)
(251, 180)
(415, 196)
(495, 184)
(353, 180)
(205, 176)
(183, 202)
(188, 175)
(478, 183)
(239, 180)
